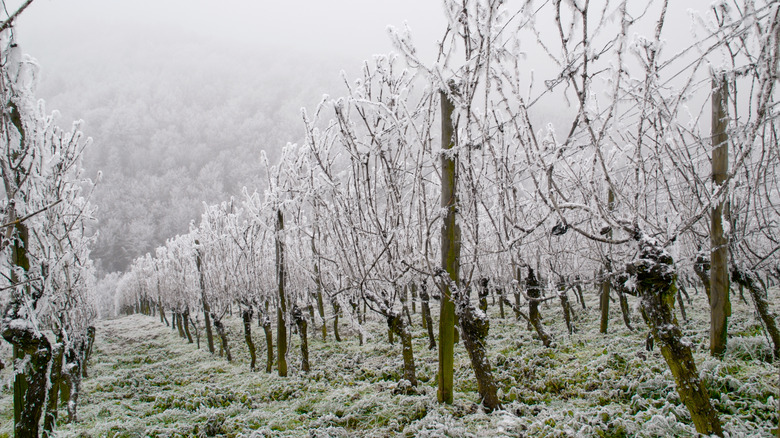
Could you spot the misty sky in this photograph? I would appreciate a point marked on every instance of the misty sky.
(118, 63)
(354, 28)
(343, 32)
(323, 36)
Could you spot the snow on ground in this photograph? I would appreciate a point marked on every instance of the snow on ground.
(146, 381)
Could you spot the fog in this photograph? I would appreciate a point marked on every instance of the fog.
(349, 28)
(181, 96)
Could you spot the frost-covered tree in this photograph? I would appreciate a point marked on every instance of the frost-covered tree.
(48, 226)
(450, 174)
(370, 160)
(638, 144)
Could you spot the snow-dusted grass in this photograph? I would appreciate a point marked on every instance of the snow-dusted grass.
(146, 381)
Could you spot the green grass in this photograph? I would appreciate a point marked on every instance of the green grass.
(146, 381)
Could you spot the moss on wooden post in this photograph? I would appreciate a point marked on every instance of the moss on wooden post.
(281, 307)
(450, 251)
(720, 304)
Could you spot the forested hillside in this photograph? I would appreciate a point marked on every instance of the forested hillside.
(177, 123)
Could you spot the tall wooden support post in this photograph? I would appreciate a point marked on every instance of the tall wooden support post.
(318, 284)
(606, 285)
(604, 301)
(450, 251)
(281, 308)
(720, 304)
(204, 298)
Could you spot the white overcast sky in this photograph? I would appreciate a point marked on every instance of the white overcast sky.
(352, 30)
(355, 28)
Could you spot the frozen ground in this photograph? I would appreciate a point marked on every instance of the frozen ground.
(146, 381)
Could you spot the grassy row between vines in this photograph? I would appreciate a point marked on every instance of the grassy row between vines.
(146, 381)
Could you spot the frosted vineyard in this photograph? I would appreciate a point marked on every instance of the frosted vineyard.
(438, 256)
